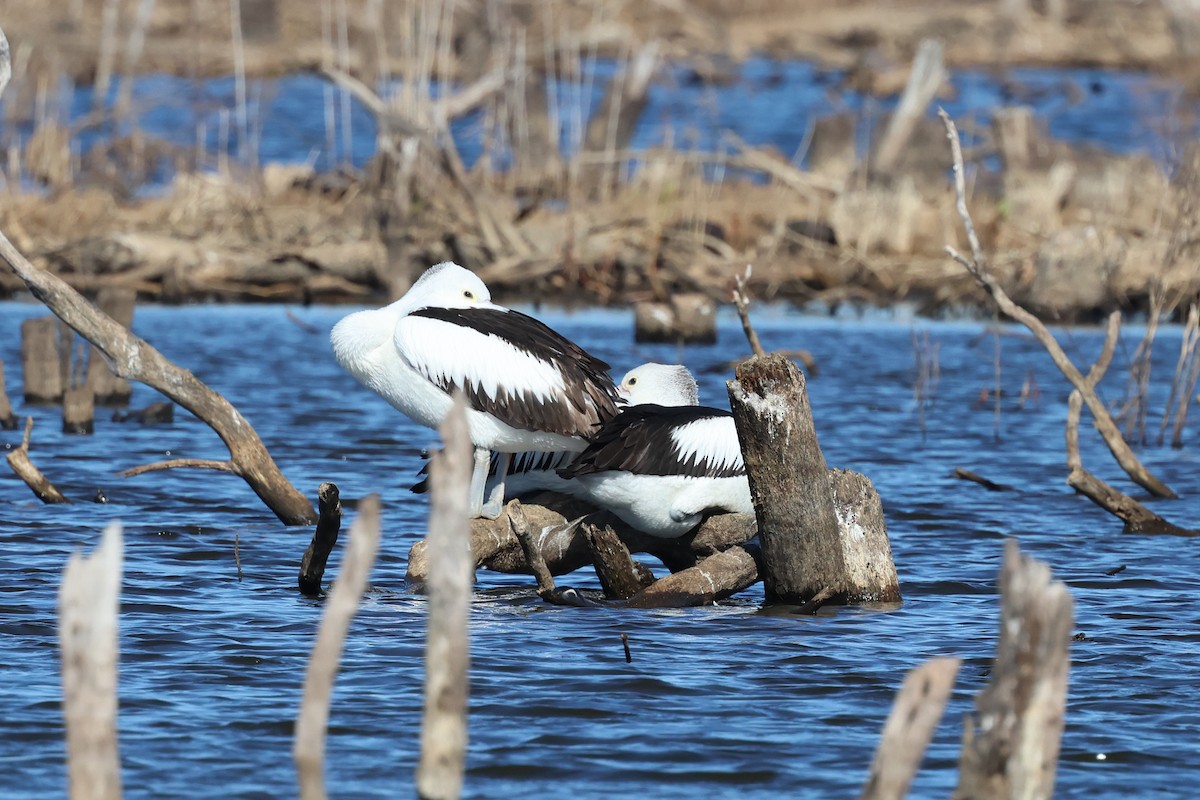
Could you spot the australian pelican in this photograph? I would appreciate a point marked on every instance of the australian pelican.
(527, 387)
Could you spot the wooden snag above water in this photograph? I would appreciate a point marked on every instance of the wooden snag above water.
(107, 388)
(8, 420)
(804, 547)
(38, 483)
(44, 377)
(88, 601)
(329, 524)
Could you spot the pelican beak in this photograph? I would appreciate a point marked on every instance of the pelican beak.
(622, 396)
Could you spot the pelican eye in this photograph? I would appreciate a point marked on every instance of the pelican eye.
(632, 381)
(467, 293)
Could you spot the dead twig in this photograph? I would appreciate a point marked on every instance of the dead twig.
(312, 565)
(741, 299)
(976, 266)
(991, 486)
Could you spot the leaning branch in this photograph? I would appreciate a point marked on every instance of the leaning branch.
(135, 359)
(976, 266)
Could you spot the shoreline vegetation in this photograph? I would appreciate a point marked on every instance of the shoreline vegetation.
(1074, 232)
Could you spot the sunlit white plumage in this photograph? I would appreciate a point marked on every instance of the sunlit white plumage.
(527, 387)
(661, 469)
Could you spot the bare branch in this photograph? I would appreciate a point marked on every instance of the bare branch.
(741, 299)
(1108, 429)
(176, 463)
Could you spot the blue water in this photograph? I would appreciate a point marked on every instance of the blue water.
(768, 103)
(724, 702)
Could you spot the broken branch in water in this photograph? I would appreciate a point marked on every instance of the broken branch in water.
(38, 483)
(991, 486)
(135, 359)
(312, 565)
(976, 267)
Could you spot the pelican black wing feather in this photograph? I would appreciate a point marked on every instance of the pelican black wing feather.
(590, 396)
(639, 440)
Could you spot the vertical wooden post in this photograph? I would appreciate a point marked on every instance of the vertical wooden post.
(803, 548)
(78, 411)
(43, 373)
(107, 388)
(344, 597)
(87, 631)
(8, 420)
(447, 647)
(1010, 745)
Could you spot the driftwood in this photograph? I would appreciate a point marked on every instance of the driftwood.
(990, 485)
(79, 411)
(8, 420)
(447, 648)
(909, 728)
(803, 548)
(308, 750)
(134, 359)
(1011, 743)
(41, 361)
(19, 461)
(546, 588)
(620, 576)
(687, 318)
(108, 389)
(976, 266)
(555, 521)
(713, 579)
(87, 630)
(312, 565)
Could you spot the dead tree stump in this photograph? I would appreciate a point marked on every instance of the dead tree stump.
(78, 411)
(43, 370)
(804, 550)
(107, 388)
(1010, 745)
(8, 420)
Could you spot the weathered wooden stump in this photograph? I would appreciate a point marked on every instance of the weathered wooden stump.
(44, 377)
(8, 420)
(1011, 743)
(107, 388)
(688, 318)
(78, 411)
(329, 525)
(804, 548)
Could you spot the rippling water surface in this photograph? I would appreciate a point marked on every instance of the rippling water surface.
(724, 702)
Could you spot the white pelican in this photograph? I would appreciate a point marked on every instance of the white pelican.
(527, 387)
(661, 469)
(663, 384)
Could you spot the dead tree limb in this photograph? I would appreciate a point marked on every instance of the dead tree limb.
(447, 648)
(312, 565)
(1011, 743)
(533, 552)
(909, 728)
(924, 80)
(1137, 518)
(38, 483)
(990, 485)
(87, 630)
(976, 266)
(344, 598)
(710, 581)
(804, 549)
(620, 576)
(134, 359)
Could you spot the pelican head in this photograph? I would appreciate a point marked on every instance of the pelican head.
(661, 384)
(449, 286)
